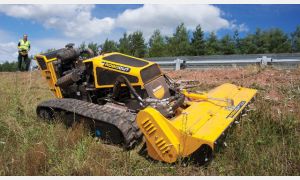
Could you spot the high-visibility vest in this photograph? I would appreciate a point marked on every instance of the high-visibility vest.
(24, 45)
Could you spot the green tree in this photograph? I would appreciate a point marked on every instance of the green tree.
(254, 43)
(124, 44)
(227, 45)
(109, 46)
(198, 42)
(269, 41)
(48, 50)
(212, 46)
(178, 44)
(237, 42)
(82, 45)
(137, 46)
(94, 47)
(260, 42)
(157, 45)
(8, 66)
(296, 40)
(277, 41)
(247, 45)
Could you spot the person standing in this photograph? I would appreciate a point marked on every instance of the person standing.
(23, 48)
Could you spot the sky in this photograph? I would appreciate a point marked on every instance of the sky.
(53, 26)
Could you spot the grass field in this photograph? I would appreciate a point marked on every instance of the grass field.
(265, 142)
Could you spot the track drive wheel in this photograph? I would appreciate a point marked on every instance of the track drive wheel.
(45, 113)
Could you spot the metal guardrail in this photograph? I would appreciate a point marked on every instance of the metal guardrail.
(182, 62)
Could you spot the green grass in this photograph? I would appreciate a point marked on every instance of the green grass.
(265, 142)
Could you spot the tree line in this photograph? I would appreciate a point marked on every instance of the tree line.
(195, 43)
(9, 66)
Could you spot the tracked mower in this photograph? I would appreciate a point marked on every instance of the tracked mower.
(126, 100)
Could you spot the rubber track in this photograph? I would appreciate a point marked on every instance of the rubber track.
(124, 121)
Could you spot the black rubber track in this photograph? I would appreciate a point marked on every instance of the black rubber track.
(122, 120)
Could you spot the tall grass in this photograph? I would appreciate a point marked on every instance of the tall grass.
(265, 142)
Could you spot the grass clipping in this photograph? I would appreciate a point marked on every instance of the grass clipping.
(265, 142)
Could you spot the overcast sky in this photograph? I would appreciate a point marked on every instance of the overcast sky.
(53, 26)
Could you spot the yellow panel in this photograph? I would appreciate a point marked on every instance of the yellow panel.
(134, 71)
(53, 81)
(159, 93)
(207, 117)
(50, 75)
(162, 143)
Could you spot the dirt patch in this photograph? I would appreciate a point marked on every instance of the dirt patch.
(245, 76)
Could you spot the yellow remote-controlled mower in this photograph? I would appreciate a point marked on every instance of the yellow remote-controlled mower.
(125, 99)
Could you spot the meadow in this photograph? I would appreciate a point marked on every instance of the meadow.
(266, 141)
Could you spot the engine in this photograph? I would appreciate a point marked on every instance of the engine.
(116, 78)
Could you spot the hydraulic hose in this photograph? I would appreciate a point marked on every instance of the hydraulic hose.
(116, 90)
(122, 79)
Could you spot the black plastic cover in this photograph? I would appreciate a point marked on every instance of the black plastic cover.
(150, 73)
(41, 62)
(118, 58)
(108, 77)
